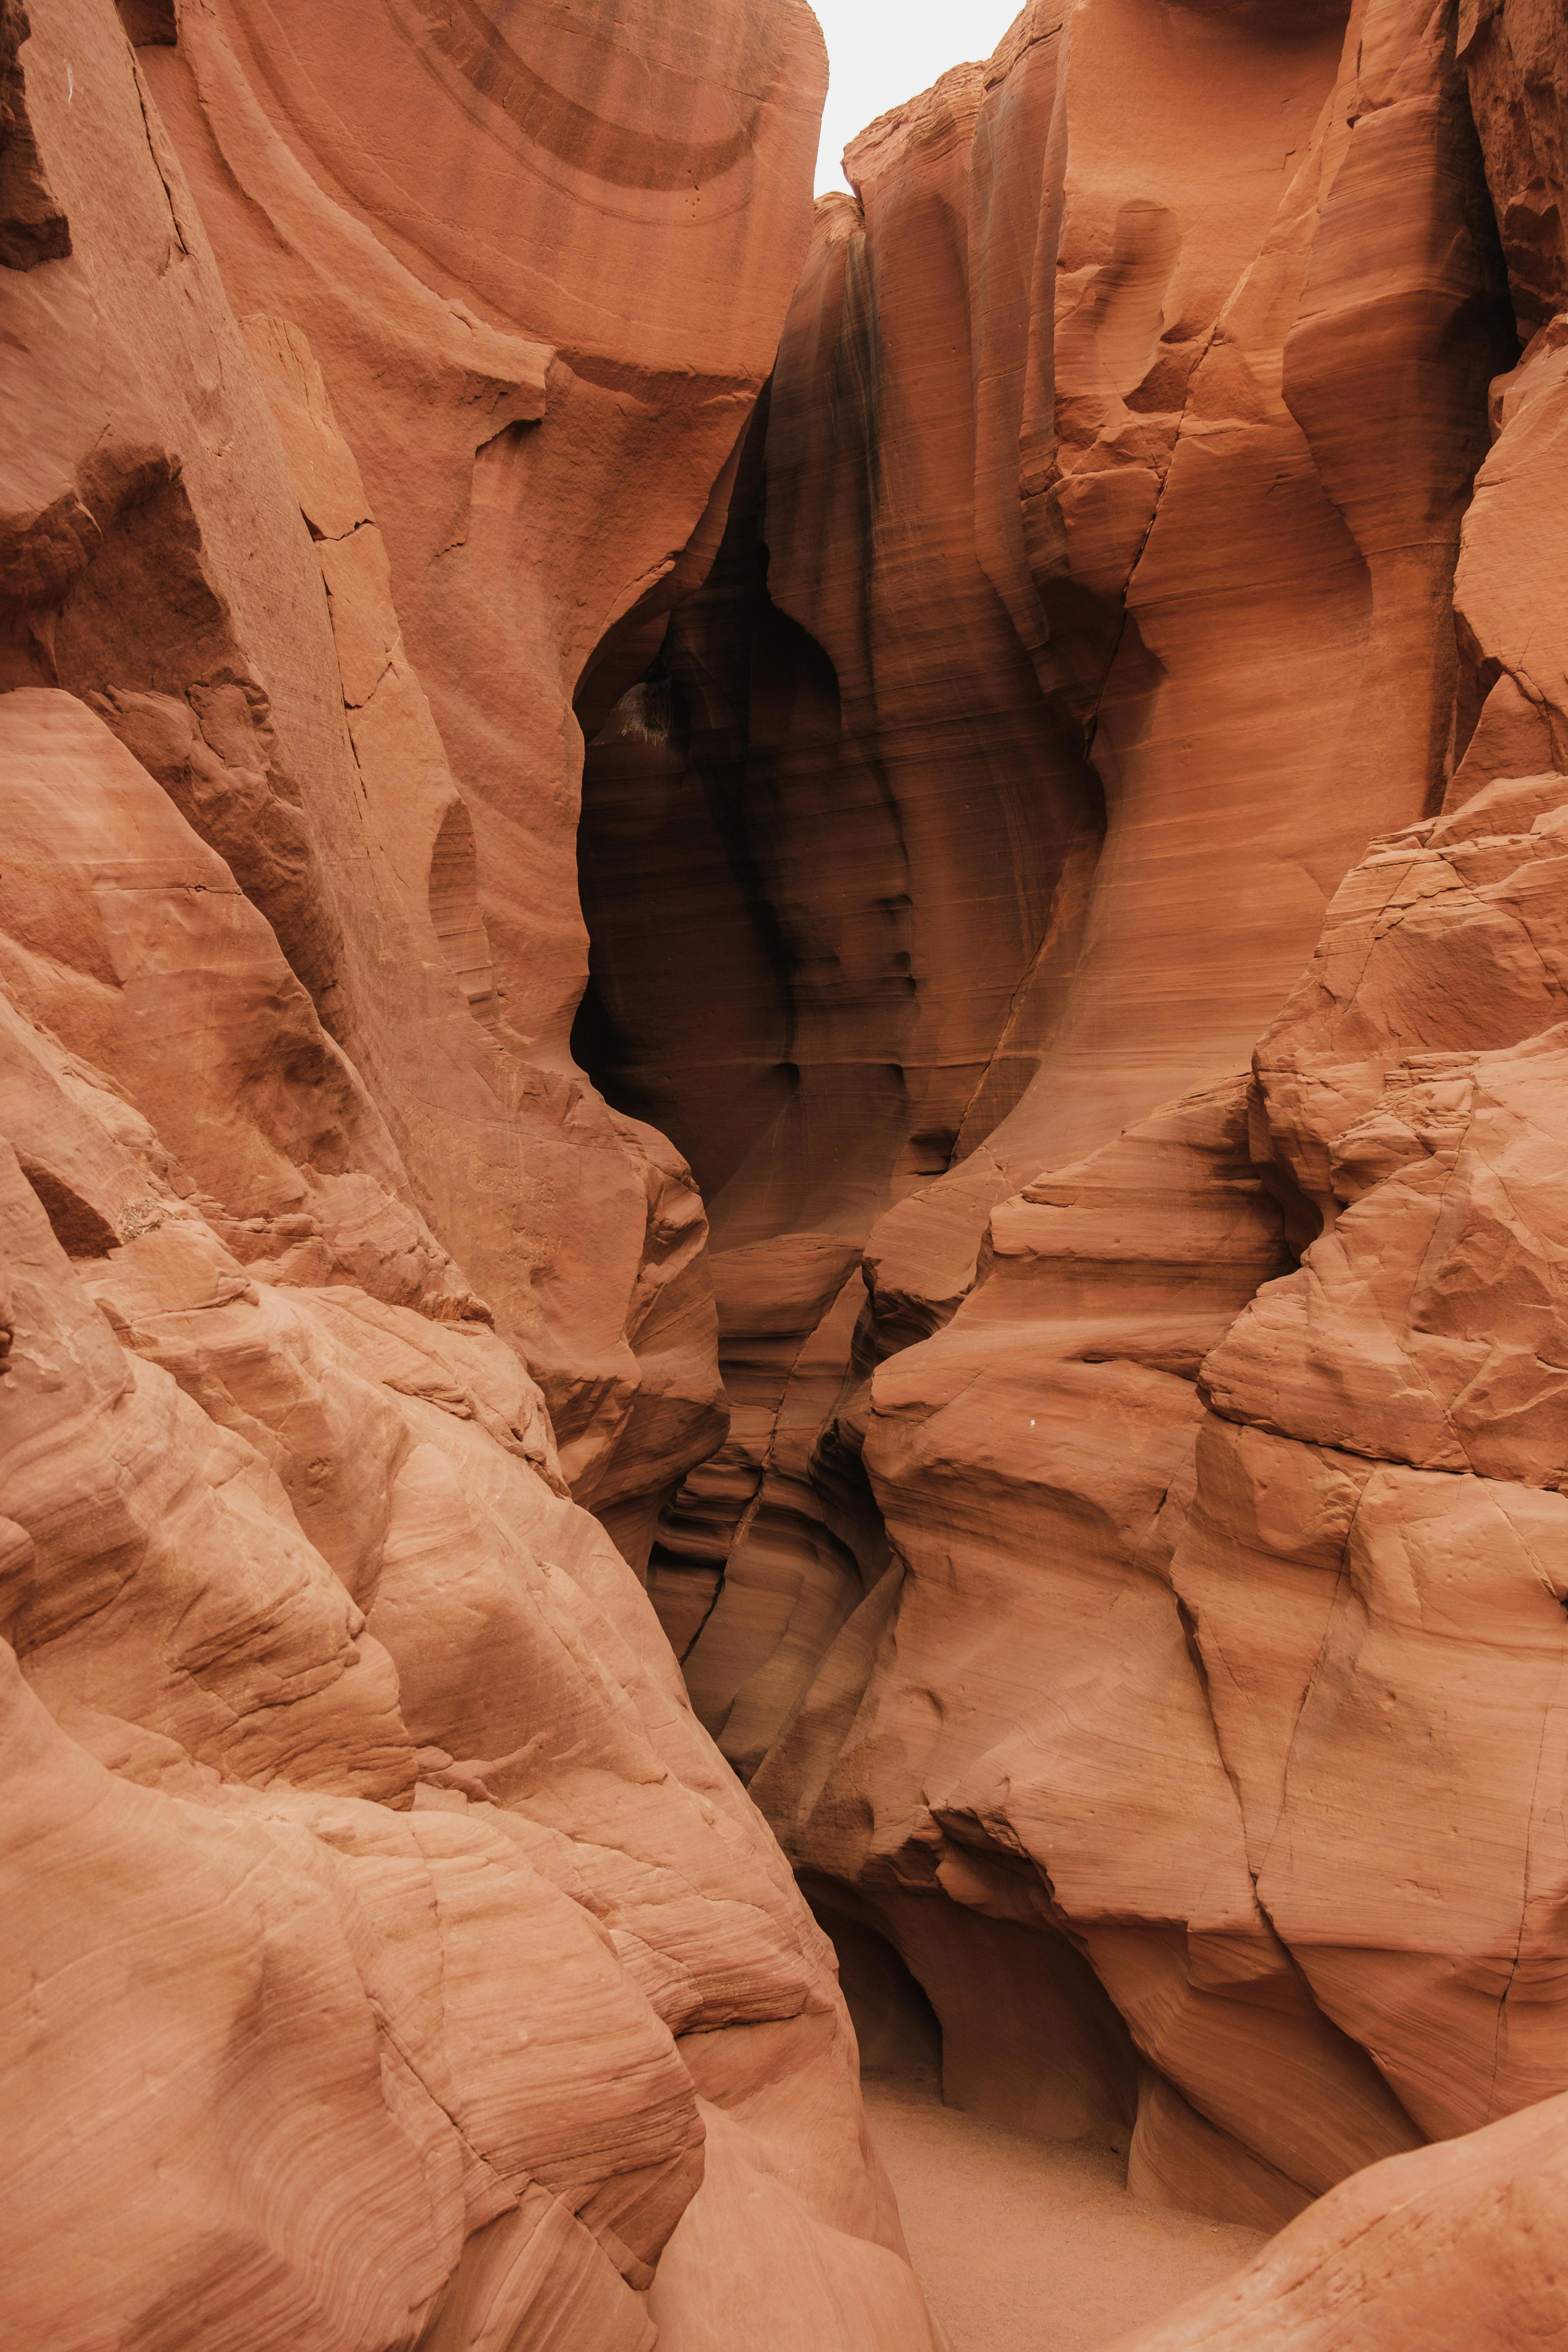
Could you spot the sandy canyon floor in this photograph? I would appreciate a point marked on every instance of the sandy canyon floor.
(1026, 2245)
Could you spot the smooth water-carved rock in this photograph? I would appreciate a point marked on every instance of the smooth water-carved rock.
(1071, 839)
(315, 1649)
(468, 488)
(1149, 378)
(396, 1963)
(1207, 590)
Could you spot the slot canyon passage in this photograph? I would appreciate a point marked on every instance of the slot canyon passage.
(784, 1160)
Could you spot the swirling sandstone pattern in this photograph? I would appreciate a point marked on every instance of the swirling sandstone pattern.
(389, 1958)
(1136, 1567)
(1073, 841)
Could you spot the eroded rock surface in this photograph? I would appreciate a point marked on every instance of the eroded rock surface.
(1070, 667)
(1453, 2247)
(1140, 1606)
(390, 1960)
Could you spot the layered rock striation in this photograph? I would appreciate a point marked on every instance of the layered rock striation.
(869, 922)
(1134, 1582)
(390, 1958)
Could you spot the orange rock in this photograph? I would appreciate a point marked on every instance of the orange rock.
(1452, 2248)
(513, 383)
(1177, 335)
(1093, 574)
(1074, 744)
(275, 1539)
(392, 1945)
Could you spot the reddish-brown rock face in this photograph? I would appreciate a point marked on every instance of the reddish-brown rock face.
(1453, 2249)
(391, 1960)
(1148, 1582)
(1066, 666)
(445, 301)
(1089, 572)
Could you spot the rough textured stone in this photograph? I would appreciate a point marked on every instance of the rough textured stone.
(1452, 2248)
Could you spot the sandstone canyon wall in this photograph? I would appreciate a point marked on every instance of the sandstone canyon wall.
(1065, 669)
(1134, 1582)
(391, 1960)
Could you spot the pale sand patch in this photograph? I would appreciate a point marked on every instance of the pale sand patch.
(1023, 2246)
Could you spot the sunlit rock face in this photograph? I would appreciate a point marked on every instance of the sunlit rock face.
(391, 1959)
(1111, 783)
